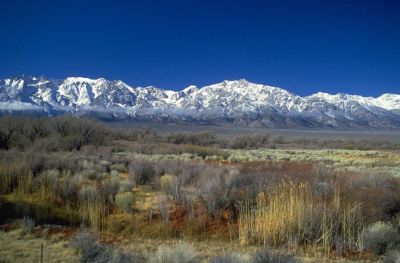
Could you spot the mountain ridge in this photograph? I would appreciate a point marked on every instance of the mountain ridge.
(239, 102)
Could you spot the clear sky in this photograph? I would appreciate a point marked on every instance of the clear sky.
(303, 46)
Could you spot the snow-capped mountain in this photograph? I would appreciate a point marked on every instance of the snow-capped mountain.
(239, 102)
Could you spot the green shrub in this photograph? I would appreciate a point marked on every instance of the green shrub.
(126, 186)
(120, 167)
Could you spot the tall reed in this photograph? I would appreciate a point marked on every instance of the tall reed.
(293, 215)
(12, 171)
(92, 208)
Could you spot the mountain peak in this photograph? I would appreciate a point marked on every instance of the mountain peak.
(82, 80)
(236, 82)
(190, 89)
(238, 101)
(242, 81)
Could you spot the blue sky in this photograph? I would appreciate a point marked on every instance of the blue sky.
(303, 46)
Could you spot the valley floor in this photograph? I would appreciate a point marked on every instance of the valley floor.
(229, 131)
(83, 190)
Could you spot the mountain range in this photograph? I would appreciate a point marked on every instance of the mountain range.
(237, 102)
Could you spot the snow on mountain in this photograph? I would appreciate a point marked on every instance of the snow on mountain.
(239, 102)
(389, 101)
(385, 101)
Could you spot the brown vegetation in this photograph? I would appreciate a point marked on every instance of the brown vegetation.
(78, 172)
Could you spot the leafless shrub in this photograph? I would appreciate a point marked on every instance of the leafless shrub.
(92, 251)
(87, 245)
(71, 190)
(27, 225)
(250, 142)
(213, 194)
(142, 135)
(381, 237)
(36, 128)
(180, 253)
(379, 195)
(8, 127)
(392, 256)
(171, 185)
(109, 188)
(163, 208)
(142, 172)
(187, 202)
(201, 138)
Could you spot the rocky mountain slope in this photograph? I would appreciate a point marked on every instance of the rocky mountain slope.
(238, 102)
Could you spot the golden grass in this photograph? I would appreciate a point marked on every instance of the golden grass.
(292, 216)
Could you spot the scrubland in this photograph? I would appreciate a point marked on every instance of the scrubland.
(91, 193)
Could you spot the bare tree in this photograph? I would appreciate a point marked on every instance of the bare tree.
(7, 129)
(62, 125)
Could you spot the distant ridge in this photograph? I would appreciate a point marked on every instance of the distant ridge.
(239, 102)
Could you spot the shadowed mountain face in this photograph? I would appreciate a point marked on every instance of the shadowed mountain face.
(238, 102)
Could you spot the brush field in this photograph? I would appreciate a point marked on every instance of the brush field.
(94, 193)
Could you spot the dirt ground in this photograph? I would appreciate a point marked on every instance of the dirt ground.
(15, 247)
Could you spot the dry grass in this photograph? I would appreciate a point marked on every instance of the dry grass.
(378, 162)
(16, 248)
(292, 216)
(92, 209)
